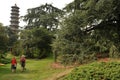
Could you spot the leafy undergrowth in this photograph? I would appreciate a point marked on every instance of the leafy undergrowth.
(96, 71)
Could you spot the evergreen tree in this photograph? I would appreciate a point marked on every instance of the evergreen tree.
(3, 40)
(45, 15)
(90, 28)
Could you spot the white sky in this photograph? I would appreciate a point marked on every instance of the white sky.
(5, 7)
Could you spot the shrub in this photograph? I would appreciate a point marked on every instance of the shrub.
(36, 42)
(96, 71)
(70, 59)
(5, 61)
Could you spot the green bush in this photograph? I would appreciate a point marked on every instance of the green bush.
(70, 59)
(96, 71)
(36, 43)
(5, 61)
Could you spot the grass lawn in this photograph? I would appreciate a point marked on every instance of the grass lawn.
(35, 70)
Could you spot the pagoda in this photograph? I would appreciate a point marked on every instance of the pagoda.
(14, 22)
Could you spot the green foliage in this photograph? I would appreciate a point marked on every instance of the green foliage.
(18, 48)
(6, 58)
(45, 15)
(71, 59)
(35, 43)
(5, 61)
(90, 27)
(114, 52)
(96, 71)
(12, 35)
(3, 41)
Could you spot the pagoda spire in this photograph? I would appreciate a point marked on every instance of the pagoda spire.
(14, 22)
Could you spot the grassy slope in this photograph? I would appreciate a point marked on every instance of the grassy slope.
(95, 65)
(36, 70)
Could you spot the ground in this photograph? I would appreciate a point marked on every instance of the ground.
(2, 64)
(44, 69)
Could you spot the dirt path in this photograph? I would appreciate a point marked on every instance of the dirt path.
(2, 64)
(58, 76)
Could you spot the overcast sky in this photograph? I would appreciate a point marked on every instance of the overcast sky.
(5, 7)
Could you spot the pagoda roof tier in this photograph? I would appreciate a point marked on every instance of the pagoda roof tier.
(14, 13)
(15, 7)
(15, 10)
(14, 25)
(14, 17)
(14, 21)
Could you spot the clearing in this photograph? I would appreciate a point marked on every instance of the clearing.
(35, 70)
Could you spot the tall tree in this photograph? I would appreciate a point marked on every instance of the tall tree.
(3, 40)
(93, 27)
(45, 15)
(13, 37)
(36, 42)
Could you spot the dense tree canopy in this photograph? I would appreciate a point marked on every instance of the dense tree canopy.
(88, 28)
(13, 36)
(3, 40)
(45, 15)
(36, 42)
(91, 27)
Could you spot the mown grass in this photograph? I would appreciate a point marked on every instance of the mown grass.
(35, 70)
